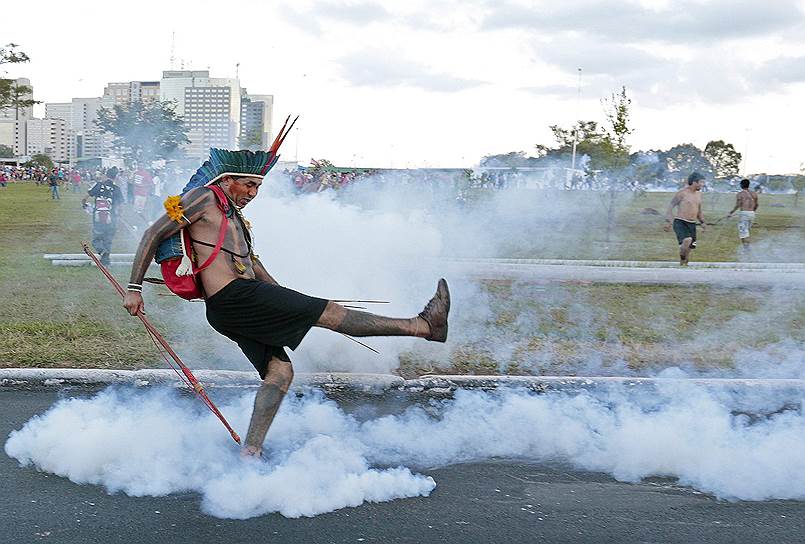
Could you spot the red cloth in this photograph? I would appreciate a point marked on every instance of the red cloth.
(143, 182)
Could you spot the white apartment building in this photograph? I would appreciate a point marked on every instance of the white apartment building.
(60, 110)
(90, 141)
(131, 91)
(49, 137)
(256, 119)
(210, 107)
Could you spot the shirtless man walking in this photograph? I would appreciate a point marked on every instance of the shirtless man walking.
(746, 202)
(688, 203)
(244, 302)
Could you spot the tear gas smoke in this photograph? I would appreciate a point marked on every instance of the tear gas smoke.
(323, 459)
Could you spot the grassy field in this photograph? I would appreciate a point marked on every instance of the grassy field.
(70, 317)
(574, 225)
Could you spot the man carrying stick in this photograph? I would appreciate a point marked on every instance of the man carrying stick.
(688, 203)
(244, 302)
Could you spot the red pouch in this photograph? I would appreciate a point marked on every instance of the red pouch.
(188, 287)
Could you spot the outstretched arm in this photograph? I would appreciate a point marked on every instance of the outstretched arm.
(194, 204)
(260, 271)
(737, 204)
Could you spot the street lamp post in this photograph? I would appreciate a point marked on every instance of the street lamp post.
(575, 131)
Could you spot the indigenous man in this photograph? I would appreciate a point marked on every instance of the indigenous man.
(688, 203)
(106, 200)
(746, 202)
(244, 302)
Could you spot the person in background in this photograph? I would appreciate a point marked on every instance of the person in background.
(746, 203)
(53, 183)
(107, 198)
(688, 203)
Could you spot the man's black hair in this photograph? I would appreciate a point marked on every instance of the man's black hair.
(744, 183)
(111, 173)
(694, 177)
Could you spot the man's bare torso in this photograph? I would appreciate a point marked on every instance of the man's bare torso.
(228, 265)
(747, 200)
(688, 203)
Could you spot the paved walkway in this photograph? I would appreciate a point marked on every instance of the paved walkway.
(788, 275)
(727, 274)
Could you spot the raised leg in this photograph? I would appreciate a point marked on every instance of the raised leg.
(431, 323)
(266, 403)
(356, 323)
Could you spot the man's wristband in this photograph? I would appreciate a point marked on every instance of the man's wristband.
(136, 287)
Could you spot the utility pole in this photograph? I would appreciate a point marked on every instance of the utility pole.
(575, 131)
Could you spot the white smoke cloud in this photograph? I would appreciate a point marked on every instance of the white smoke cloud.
(322, 459)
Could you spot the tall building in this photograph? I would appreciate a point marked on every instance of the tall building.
(210, 107)
(90, 141)
(48, 137)
(174, 82)
(60, 110)
(256, 120)
(131, 91)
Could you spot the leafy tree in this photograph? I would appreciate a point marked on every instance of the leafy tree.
(11, 94)
(40, 160)
(511, 159)
(725, 159)
(144, 131)
(683, 159)
(616, 109)
(6, 152)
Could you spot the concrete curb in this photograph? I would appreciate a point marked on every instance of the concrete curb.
(58, 377)
(371, 384)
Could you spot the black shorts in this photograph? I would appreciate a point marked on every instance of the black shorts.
(263, 318)
(684, 229)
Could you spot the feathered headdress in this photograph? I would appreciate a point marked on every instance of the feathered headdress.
(241, 163)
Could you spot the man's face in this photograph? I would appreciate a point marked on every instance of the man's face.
(698, 185)
(242, 190)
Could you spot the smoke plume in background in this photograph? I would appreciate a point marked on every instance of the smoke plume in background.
(322, 458)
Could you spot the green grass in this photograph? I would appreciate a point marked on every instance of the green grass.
(563, 329)
(573, 225)
(71, 317)
(59, 316)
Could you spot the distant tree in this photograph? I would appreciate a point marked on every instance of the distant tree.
(40, 160)
(725, 159)
(683, 159)
(144, 131)
(511, 159)
(11, 94)
(616, 110)
(6, 152)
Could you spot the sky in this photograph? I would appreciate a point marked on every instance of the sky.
(427, 83)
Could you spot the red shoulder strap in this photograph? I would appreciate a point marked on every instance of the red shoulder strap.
(223, 205)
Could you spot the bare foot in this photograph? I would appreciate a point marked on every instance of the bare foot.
(251, 452)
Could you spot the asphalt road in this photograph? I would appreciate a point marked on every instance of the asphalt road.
(495, 501)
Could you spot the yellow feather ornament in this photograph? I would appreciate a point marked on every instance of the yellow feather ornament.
(173, 207)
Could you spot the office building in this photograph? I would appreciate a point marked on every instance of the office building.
(256, 119)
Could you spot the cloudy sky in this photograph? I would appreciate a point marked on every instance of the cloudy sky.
(443, 82)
